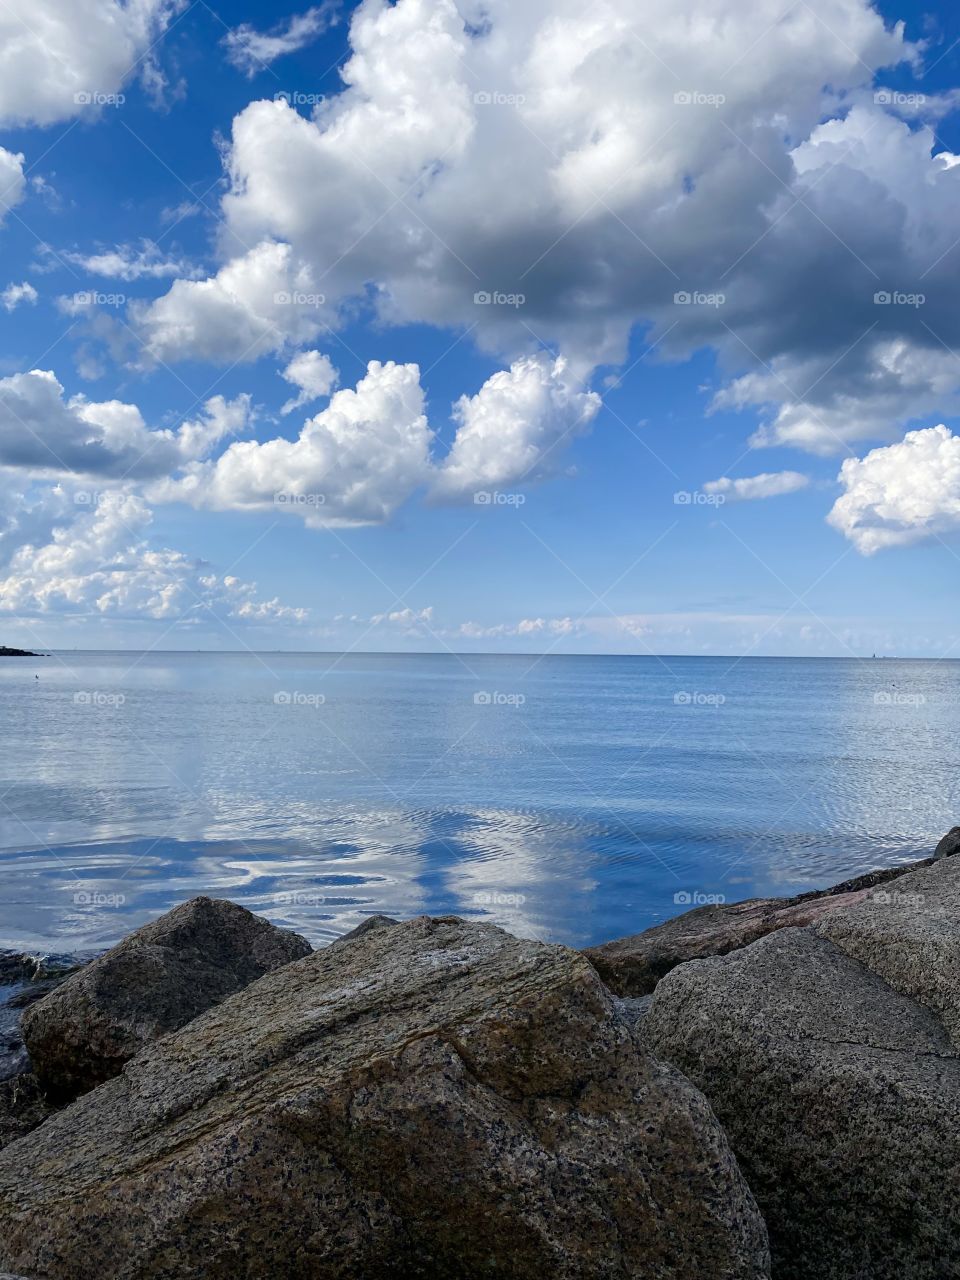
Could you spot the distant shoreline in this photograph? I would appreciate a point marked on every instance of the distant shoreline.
(17, 653)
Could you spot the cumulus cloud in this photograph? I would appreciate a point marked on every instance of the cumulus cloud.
(315, 376)
(353, 463)
(60, 58)
(251, 51)
(607, 176)
(902, 493)
(43, 431)
(14, 294)
(98, 561)
(513, 429)
(372, 447)
(771, 484)
(253, 305)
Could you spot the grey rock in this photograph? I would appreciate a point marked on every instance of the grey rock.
(369, 925)
(949, 845)
(436, 1099)
(154, 981)
(909, 934)
(841, 1099)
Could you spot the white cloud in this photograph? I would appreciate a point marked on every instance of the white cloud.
(252, 51)
(353, 463)
(128, 263)
(314, 374)
(13, 183)
(513, 429)
(372, 447)
(255, 304)
(14, 294)
(59, 58)
(97, 560)
(770, 484)
(900, 494)
(530, 151)
(43, 432)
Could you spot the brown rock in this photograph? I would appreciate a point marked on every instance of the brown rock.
(633, 966)
(157, 979)
(436, 1099)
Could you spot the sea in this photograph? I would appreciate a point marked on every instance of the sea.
(572, 799)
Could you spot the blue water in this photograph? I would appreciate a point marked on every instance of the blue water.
(572, 799)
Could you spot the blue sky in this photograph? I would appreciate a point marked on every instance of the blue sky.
(710, 406)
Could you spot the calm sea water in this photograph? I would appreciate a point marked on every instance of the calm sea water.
(573, 799)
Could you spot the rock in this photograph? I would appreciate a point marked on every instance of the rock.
(436, 1099)
(949, 845)
(6, 652)
(909, 934)
(369, 925)
(633, 966)
(155, 980)
(841, 1099)
(22, 1108)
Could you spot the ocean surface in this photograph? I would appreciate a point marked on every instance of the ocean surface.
(573, 799)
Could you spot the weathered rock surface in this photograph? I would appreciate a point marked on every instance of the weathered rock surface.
(841, 1099)
(436, 1099)
(949, 845)
(156, 980)
(909, 933)
(633, 966)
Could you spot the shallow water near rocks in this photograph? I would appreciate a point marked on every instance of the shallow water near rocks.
(573, 799)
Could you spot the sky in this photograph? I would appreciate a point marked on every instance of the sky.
(479, 326)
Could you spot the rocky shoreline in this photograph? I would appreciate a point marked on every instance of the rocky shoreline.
(17, 653)
(766, 1089)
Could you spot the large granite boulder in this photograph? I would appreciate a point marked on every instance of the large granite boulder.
(157, 979)
(841, 1099)
(909, 933)
(432, 1099)
(633, 966)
